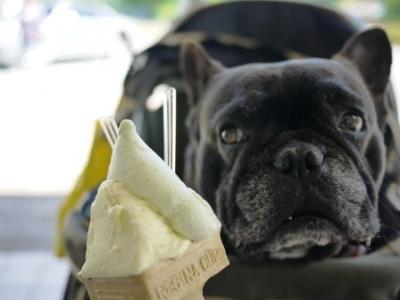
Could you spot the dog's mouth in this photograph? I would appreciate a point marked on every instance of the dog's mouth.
(300, 224)
(299, 234)
(302, 232)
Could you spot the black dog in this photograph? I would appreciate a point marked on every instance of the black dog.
(291, 154)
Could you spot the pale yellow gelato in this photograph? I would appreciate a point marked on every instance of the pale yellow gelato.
(126, 235)
(146, 175)
(143, 213)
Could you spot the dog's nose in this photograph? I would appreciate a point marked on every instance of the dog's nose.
(298, 159)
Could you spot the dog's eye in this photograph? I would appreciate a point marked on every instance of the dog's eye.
(232, 135)
(351, 122)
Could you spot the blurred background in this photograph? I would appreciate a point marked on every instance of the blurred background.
(62, 65)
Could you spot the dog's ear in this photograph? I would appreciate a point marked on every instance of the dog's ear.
(371, 53)
(197, 68)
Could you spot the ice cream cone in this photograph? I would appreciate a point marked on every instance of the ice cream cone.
(182, 278)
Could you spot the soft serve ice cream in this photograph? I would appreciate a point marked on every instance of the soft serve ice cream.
(146, 175)
(143, 213)
(126, 235)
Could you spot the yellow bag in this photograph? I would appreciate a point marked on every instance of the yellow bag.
(93, 174)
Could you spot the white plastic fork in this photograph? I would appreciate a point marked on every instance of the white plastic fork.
(110, 129)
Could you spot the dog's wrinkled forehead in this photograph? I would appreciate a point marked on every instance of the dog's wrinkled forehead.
(287, 88)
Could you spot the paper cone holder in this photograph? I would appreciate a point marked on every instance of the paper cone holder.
(182, 278)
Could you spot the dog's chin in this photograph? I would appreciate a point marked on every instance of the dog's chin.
(300, 238)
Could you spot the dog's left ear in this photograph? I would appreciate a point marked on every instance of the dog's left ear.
(371, 53)
(197, 68)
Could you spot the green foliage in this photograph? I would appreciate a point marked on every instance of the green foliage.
(159, 8)
(132, 6)
(134, 2)
(393, 9)
(166, 9)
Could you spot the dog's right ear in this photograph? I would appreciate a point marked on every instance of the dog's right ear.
(197, 68)
(370, 52)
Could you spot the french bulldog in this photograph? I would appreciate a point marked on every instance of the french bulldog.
(291, 155)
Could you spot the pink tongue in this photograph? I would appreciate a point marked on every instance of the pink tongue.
(359, 251)
(351, 251)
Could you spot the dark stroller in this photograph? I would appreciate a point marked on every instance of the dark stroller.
(236, 33)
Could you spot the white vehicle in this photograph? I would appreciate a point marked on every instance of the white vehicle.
(70, 30)
(77, 31)
(11, 35)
